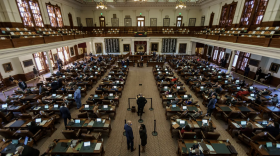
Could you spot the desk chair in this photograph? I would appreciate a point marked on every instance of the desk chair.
(6, 117)
(25, 116)
(71, 134)
(262, 137)
(59, 92)
(82, 115)
(232, 115)
(251, 115)
(53, 115)
(243, 138)
(7, 134)
(210, 135)
(98, 115)
(91, 136)
(98, 92)
(187, 135)
(27, 133)
(275, 117)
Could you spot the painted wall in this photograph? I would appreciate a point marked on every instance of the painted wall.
(27, 57)
(17, 68)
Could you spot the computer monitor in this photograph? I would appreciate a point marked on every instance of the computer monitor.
(109, 75)
(264, 122)
(227, 76)
(184, 107)
(94, 66)
(201, 87)
(90, 69)
(165, 87)
(125, 66)
(251, 88)
(156, 66)
(77, 121)
(212, 68)
(4, 106)
(165, 68)
(26, 140)
(166, 72)
(277, 145)
(157, 69)
(98, 119)
(69, 95)
(252, 95)
(76, 69)
(204, 121)
(203, 68)
(105, 106)
(91, 76)
(38, 120)
(243, 122)
(178, 87)
(15, 141)
(95, 95)
(87, 143)
(81, 76)
(111, 94)
(63, 76)
(169, 95)
(118, 81)
(238, 88)
(53, 95)
(182, 122)
(86, 106)
(185, 96)
(173, 105)
(159, 72)
(46, 106)
(226, 81)
(219, 77)
(114, 86)
(55, 105)
(268, 144)
(237, 81)
(96, 72)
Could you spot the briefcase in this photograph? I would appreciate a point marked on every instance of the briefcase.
(133, 109)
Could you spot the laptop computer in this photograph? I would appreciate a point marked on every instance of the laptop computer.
(38, 120)
(86, 106)
(4, 106)
(226, 81)
(98, 120)
(204, 121)
(70, 95)
(87, 144)
(125, 66)
(268, 144)
(105, 106)
(166, 72)
(237, 82)
(55, 106)
(227, 76)
(157, 69)
(182, 122)
(174, 106)
(251, 88)
(278, 145)
(252, 95)
(178, 87)
(264, 122)
(81, 76)
(243, 123)
(219, 77)
(95, 95)
(185, 108)
(15, 141)
(111, 94)
(53, 95)
(77, 121)
(26, 140)
(46, 106)
(96, 72)
(238, 88)
(109, 75)
(185, 96)
(63, 76)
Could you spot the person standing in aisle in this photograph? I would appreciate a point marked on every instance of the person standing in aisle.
(141, 102)
(211, 105)
(77, 97)
(143, 136)
(65, 114)
(129, 136)
(36, 73)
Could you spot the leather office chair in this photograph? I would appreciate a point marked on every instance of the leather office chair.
(6, 117)
(60, 92)
(71, 134)
(187, 135)
(98, 115)
(82, 115)
(7, 134)
(27, 133)
(25, 116)
(98, 92)
(251, 115)
(91, 136)
(243, 138)
(232, 115)
(275, 117)
(210, 135)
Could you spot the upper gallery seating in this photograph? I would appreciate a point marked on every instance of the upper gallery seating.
(98, 31)
(113, 31)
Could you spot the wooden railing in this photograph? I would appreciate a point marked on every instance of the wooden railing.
(20, 42)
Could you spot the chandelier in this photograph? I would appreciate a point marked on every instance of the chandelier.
(140, 0)
(180, 5)
(101, 5)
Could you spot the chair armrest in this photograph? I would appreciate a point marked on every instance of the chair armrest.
(78, 133)
(242, 115)
(272, 137)
(37, 133)
(225, 114)
(203, 135)
(180, 135)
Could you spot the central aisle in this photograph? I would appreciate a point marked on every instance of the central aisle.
(163, 144)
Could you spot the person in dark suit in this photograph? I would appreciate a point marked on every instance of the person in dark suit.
(141, 102)
(11, 78)
(22, 85)
(33, 128)
(258, 73)
(211, 105)
(273, 128)
(58, 73)
(218, 89)
(129, 135)
(122, 61)
(143, 136)
(27, 151)
(127, 61)
(60, 83)
(65, 114)
(54, 86)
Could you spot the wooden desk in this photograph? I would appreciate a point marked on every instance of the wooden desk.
(171, 110)
(8, 144)
(232, 127)
(75, 151)
(92, 107)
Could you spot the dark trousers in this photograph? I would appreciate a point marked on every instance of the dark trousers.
(140, 111)
(210, 111)
(65, 121)
(130, 144)
(246, 74)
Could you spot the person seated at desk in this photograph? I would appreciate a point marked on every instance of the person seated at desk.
(248, 131)
(244, 92)
(42, 89)
(22, 85)
(27, 151)
(188, 102)
(207, 127)
(267, 77)
(33, 128)
(115, 89)
(273, 128)
(264, 92)
(67, 69)
(63, 89)
(173, 102)
(60, 83)
(54, 86)
(39, 101)
(58, 73)
(11, 78)
(28, 91)
(196, 152)
(187, 128)
(219, 89)
(274, 99)
(216, 84)
(243, 83)
(258, 100)
(8, 99)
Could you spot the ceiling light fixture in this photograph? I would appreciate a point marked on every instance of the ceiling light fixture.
(101, 5)
(140, 0)
(180, 5)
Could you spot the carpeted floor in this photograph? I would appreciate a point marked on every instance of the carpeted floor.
(161, 145)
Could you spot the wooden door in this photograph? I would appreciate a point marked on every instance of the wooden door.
(102, 21)
(70, 20)
(211, 19)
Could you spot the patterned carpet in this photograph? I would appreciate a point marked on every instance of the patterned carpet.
(161, 145)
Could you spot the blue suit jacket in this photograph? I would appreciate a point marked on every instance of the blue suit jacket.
(77, 94)
(211, 104)
(65, 113)
(128, 132)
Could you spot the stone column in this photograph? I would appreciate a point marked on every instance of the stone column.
(148, 46)
(49, 63)
(231, 61)
(132, 46)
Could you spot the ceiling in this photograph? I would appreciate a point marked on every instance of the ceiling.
(148, 3)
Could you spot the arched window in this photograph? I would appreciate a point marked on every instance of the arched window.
(30, 13)
(55, 15)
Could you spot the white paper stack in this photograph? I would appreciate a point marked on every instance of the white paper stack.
(260, 126)
(210, 148)
(97, 146)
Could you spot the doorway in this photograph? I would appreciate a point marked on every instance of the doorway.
(140, 22)
(211, 19)
(102, 21)
(70, 20)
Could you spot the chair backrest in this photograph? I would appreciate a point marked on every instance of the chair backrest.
(6, 133)
(25, 116)
(82, 115)
(234, 114)
(24, 133)
(88, 136)
(189, 135)
(212, 135)
(98, 92)
(252, 115)
(68, 134)
(106, 101)
(59, 92)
